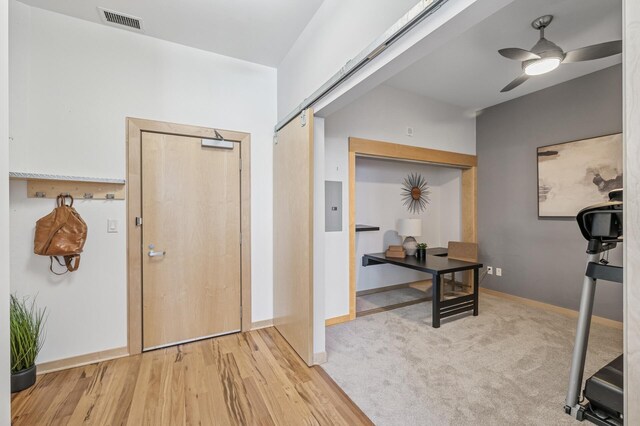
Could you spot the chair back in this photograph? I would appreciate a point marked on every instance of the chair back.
(463, 251)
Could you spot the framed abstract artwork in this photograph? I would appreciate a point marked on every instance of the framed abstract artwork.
(577, 174)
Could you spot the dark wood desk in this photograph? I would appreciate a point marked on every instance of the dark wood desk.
(437, 264)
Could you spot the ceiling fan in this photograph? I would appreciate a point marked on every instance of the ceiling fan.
(546, 56)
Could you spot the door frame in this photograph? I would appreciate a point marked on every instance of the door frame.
(467, 163)
(135, 127)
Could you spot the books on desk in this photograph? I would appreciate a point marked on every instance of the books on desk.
(396, 251)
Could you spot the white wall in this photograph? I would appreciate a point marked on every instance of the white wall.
(5, 395)
(379, 203)
(73, 83)
(382, 114)
(338, 31)
(385, 113)
(336, 276)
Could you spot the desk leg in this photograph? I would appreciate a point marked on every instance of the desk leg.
(476, 285)
(435, 305)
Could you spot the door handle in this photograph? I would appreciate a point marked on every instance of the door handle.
(153, 253)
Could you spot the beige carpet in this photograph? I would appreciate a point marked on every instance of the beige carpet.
(508, 366)
(387, 298)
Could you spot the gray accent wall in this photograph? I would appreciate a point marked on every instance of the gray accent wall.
(541, 259)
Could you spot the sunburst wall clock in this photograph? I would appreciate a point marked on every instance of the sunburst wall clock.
(415, 193)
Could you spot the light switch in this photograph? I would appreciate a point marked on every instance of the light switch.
(112, 226)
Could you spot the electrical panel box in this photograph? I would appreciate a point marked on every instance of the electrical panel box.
(333, 206)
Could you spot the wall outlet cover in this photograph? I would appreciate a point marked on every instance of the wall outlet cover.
(499, 272)
(490, 270)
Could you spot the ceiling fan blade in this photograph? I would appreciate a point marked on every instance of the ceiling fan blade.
(517, 54)
(515, 83)
(595, 51)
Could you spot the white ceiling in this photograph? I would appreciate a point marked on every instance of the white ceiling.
(253, 30)
(469, 72)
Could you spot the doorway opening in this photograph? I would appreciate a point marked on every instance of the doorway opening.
(381, 211)
(455, 170)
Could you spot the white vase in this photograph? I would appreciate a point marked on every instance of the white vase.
(410, 246)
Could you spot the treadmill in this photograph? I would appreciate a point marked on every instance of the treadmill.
(602, 397)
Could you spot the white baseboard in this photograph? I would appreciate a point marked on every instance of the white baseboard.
(319, 358)
(261, 324)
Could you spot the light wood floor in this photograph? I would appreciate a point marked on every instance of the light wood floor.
(243, 379)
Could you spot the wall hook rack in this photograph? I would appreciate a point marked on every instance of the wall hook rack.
(50, 186)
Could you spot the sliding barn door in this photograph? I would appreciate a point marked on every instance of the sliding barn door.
(293, 234)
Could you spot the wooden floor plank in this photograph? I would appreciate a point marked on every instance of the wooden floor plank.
(339, 399)
(121, 408)
(136, 409)
(253, 378)
(284, 403)
(263, 414)
(45, 398)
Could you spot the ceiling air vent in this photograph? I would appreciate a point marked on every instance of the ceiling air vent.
(120, 20)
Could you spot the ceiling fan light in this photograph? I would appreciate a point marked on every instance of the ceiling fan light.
(542, 66)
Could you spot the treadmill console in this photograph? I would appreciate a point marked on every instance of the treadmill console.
(601, 224)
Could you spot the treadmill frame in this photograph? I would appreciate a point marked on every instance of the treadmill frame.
(594, 271)
(573, 406)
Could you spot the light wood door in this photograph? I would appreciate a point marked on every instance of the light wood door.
(191, 211)
(293, 234)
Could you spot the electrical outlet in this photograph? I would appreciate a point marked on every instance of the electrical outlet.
(499, 272)
(409, 131)
(490, 270)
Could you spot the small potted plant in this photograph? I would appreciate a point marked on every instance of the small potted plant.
(26, 323)
(421, 252)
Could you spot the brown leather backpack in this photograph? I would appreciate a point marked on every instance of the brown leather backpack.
(61, 233)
